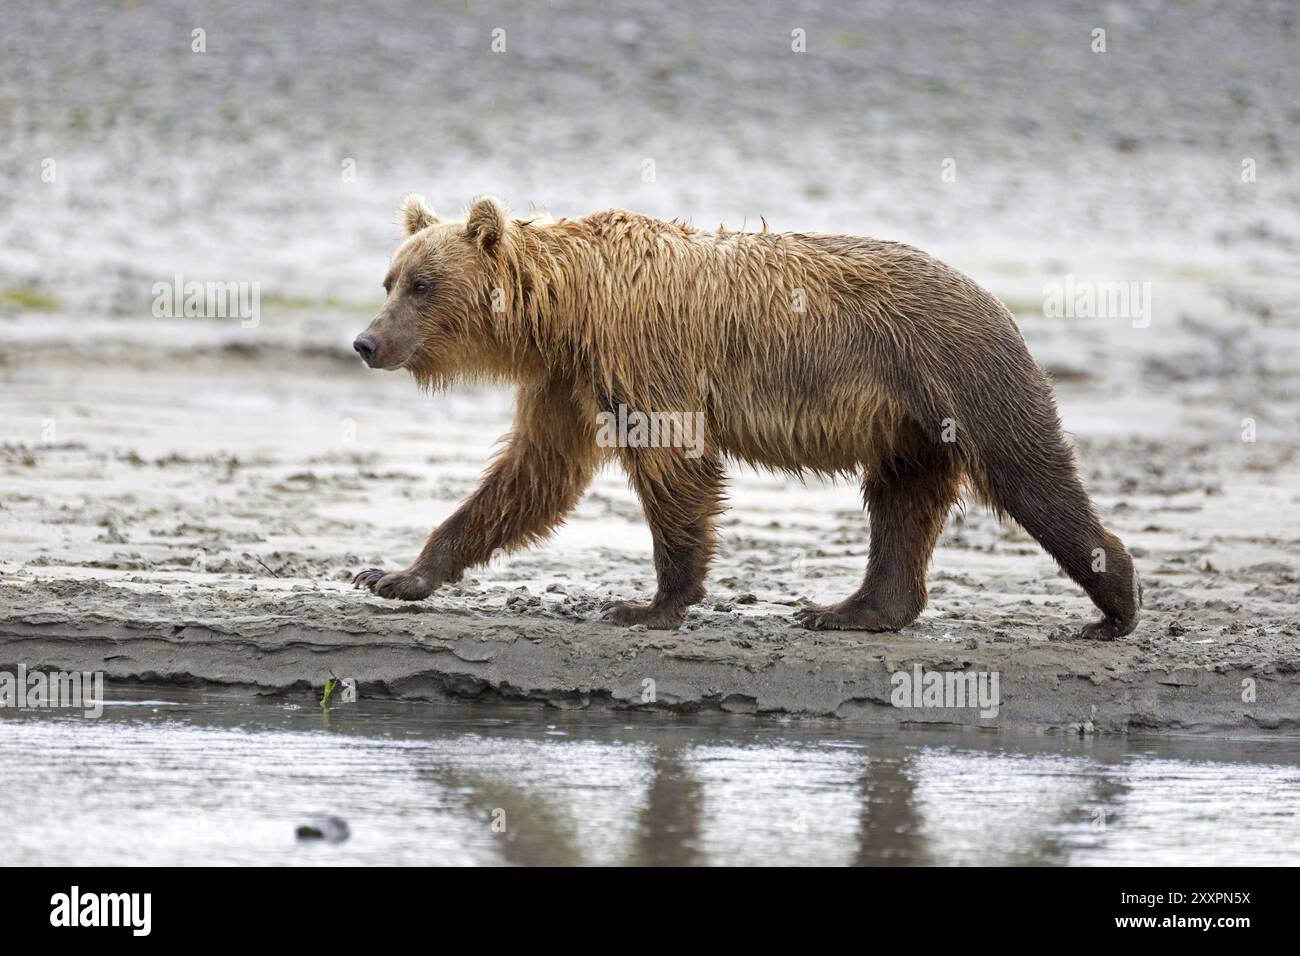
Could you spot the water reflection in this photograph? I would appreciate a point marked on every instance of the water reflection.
(763, 803)
(213, 780)
(668, 833)
(1001, 809)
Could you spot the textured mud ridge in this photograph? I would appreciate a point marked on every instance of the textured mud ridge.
(295, 643)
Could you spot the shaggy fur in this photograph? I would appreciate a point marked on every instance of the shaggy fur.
(806, 353)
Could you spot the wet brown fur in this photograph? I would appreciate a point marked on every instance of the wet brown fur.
(830, 355)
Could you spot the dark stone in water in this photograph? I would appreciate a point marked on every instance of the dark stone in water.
(329, 829)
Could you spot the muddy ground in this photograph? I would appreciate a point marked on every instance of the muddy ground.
(170, 537)
(185, 499)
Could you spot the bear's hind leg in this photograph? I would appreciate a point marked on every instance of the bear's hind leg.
(681, 497)
(994, 405)
(907, 500)
(1048, 500)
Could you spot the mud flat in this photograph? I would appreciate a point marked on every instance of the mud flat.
(198, 522)
(184, 500)
(549, 652)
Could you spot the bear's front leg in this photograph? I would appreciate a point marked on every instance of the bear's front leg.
(536, 480)
(681, 497)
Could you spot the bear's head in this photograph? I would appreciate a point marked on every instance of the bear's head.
(439, 292)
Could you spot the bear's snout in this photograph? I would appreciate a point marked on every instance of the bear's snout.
(367, 348)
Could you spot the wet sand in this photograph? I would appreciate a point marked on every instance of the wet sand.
(185, 499)
(178, 531)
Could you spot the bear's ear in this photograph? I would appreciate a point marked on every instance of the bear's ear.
(415, 215)
(485, 223)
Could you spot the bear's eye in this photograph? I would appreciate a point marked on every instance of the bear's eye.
(419, 287)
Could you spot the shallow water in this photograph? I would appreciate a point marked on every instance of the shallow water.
(180, 777)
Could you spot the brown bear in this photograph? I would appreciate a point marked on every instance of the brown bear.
(804, 353)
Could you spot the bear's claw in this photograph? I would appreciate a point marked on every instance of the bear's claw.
(655, 617)
(1103, 630)
(849, 616)
(400, 586)
(367, 577)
